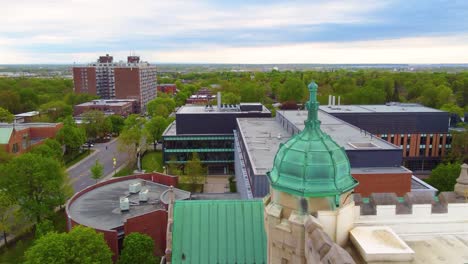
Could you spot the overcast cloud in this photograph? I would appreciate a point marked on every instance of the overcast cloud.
(49, 31)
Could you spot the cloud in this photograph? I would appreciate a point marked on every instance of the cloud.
(449, 49)
(79, 30)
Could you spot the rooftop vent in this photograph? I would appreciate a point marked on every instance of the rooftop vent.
(134, 187)
(143, 195)
(124, 204)
(363, 145)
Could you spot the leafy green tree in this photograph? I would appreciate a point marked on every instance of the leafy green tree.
(117, 123)
(444, 176)
(50, 148)
(459, 150)
(293, 90)
(43, 228)
(10, 101)
(6, 116)
(160, 106)
(173, 167)
(82, 245)
(5, 156)
(97, 171)
(11, 217)
(195, 172)
(137, 248)
(230, 98)
(131, 136)
(453, 108)
(154, 129)
(71, 135)
(35, 183)
(56, 110)
(96, 124)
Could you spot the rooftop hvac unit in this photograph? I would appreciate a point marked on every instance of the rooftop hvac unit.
(124, 204)
(134, 187)
(143, 195)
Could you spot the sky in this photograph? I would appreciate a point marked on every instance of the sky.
(235, 31)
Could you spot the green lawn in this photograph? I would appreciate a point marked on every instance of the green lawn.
(14, 253)
(152, 161)
(124, 172)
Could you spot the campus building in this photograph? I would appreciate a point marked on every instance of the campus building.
(422, 133)
(19, 138)
(209, 131)
(201, 97)
(311, 215)
(123, 107)
(107, 79)
(168, 88)
(123, 205)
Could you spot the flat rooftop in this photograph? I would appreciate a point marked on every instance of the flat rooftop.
(28, 114)
(107, 102)
(20, 126)
(387, 108)
(264, 135)
(100, 208)
(202, 109)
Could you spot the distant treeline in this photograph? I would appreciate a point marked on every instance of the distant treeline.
(19, 95)
(448, 91)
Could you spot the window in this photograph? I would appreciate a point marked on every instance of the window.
(15, 148)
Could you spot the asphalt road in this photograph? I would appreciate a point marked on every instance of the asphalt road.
(80, 174)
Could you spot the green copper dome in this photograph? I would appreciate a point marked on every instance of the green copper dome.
(311, 164)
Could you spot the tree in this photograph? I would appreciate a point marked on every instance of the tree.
(50, 148)
(195, 172)
(71, 135)
(444, 176)
(80, 245)
(452, 108)
(160, 106)
(137, 248)
(11, 218)
(35, 183)
(97, 171)
(56, 110)
(459, 150)
(43, 228)
(230, 98)
(5, 156)
(131, 136)
(96, 124)
(154, 129)
(293, 90)
(117, 123)
(6, 116)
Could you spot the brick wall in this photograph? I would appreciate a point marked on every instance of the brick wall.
(399, 183)
(153, 224)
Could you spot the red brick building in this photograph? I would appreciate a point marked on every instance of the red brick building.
(167, 88)
(100, 207)
(117, 80)
(20, 138)
(123, 107)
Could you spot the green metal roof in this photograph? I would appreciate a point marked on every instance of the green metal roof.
(5, 134)
(218, 232)
(168, 138)
(200, 150)
(311, 164)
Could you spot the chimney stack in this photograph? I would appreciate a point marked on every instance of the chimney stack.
(219, 101)
(329, 99)
(339, 100)
(333, 101)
